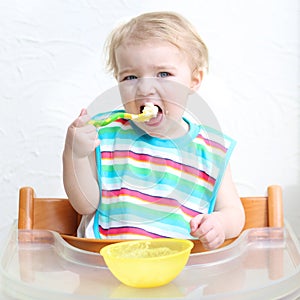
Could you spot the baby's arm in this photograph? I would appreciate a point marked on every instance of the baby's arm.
(79, 168)
(225, 222)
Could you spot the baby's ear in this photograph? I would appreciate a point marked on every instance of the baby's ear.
(196, 81)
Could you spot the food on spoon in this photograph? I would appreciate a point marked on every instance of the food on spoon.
(149, 111)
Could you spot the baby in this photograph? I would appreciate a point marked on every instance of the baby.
(167, 176)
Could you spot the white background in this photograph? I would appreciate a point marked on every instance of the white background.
(51, 65)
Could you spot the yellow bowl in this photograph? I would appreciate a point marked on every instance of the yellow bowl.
(147, 263)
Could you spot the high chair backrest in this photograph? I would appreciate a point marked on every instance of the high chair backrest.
(55, 214)
(58, 214)
(264, 211)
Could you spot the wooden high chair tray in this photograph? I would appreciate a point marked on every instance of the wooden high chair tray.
(94, 245)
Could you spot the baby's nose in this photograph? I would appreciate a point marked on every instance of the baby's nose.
(146, 86)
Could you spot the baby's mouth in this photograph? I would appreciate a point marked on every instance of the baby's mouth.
(157, 120)
(158, 107)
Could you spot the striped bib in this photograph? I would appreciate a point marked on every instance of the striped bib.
(152, 187)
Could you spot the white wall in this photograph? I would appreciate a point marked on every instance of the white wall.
(51, 67)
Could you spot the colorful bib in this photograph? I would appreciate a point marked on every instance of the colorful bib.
(152, 187)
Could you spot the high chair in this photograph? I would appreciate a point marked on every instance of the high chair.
(58, 215)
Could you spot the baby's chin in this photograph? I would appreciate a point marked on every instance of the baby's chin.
(165, 128)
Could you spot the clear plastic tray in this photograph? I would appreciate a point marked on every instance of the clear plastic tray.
(261, 264)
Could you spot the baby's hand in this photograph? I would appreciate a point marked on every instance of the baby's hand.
(82, 138)
(208, 229)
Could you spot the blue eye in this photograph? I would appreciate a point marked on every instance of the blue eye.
(129, 77)
(163, 74)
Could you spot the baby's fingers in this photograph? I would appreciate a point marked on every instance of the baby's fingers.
(83, 112)
(82, 120)
(195, 222)
(201, 225)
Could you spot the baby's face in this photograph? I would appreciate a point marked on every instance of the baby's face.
(156, 72)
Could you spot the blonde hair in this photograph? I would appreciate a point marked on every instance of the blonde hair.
(165, 26)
